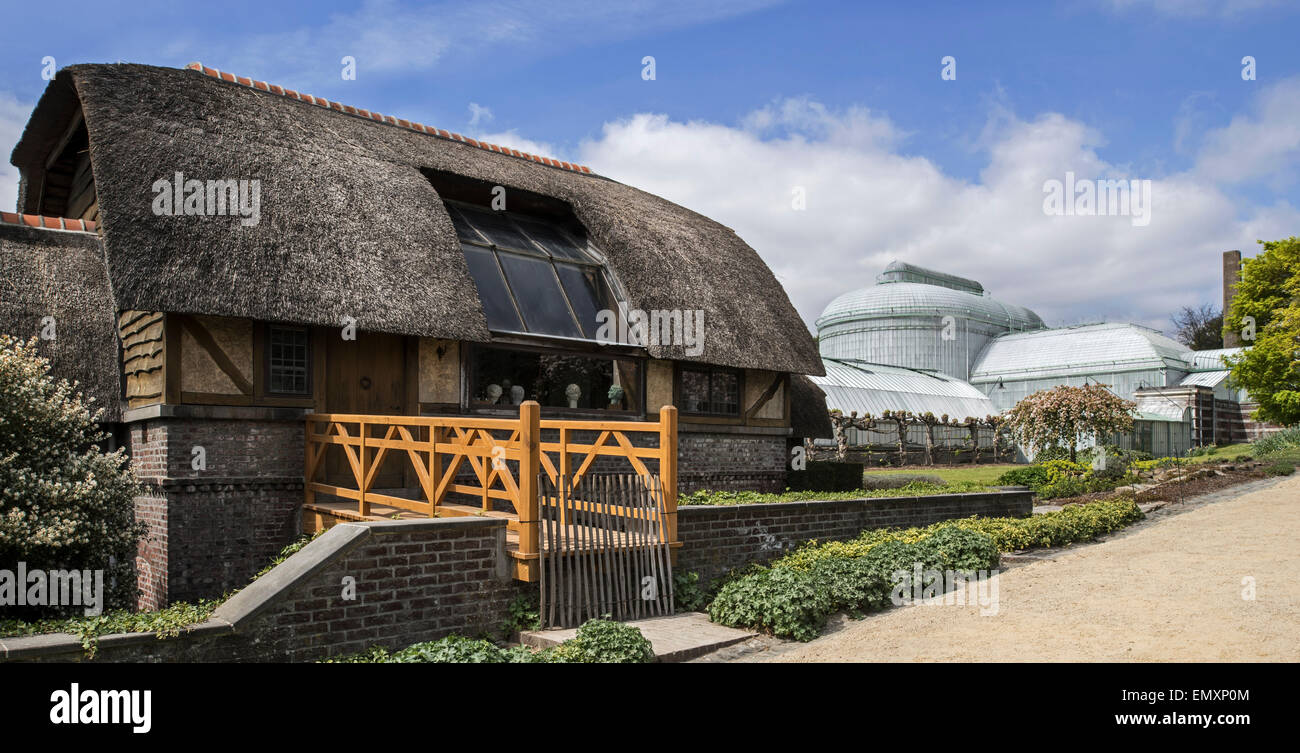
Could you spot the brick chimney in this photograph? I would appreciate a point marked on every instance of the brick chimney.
(1231, 276)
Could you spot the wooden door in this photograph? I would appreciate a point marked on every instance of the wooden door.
(368, 376)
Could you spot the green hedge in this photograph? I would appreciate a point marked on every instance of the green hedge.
(913, 489)
(793, 597)
(825, 476)
(794, 603)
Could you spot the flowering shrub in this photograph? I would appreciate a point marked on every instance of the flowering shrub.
(1064, 416)
(64, 503)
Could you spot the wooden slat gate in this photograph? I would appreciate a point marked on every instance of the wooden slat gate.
(604, 549)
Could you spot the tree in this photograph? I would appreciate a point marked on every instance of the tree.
(64, 503)
(996, 423)
(1064, 416)
(1199, 328)
(1267, 306)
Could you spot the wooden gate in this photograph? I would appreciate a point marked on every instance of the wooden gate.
(604, 549)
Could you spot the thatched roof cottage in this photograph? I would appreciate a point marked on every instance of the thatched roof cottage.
(229, 257)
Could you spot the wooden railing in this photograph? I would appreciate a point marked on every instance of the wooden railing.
(437, 451)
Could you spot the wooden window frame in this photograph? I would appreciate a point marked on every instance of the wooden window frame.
(309, 365)
(470, 350)
(710, 370)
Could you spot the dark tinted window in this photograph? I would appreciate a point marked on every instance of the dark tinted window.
(588, 294)
(288, 363)
(537, 292)
(498, 304)
(706, 390)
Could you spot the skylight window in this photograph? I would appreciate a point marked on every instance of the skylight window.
(532, 276)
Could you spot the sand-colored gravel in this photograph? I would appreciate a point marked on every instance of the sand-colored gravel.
(1170, 589)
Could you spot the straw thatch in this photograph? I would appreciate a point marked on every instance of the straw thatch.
(809, 417)
(61, 275)
(350, 226)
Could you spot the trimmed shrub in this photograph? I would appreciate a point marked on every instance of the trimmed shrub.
(875, 481)
(1032, 476)
(1280, 469)
(825, 476)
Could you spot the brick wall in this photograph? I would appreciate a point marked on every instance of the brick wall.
(722, 537)
(416, 580)
(211, 528)
(736, 462)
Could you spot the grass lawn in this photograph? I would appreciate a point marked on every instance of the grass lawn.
(979, 474)
(1227, 452)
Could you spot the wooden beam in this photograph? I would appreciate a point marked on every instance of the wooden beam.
(205, 340)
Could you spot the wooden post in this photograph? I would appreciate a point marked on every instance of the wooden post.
(530, 441)
(435, 471)
(363, 507)
(668, 469)
(308, 496)
(564, 467)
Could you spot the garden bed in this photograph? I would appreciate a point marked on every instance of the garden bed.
(914, 489)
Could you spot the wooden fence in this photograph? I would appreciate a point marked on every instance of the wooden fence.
(603, 550)
(493, 462)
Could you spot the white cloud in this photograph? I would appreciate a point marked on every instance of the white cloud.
(869, 203)
(1264, 144)
(395, 37)
(13, 118)
(513, 140)
(478, 114)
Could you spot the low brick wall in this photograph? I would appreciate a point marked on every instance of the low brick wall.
(415, 580)
(718, 538)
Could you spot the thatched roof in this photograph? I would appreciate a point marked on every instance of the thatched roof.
(61, 274)
(809, 416)
(351, 227)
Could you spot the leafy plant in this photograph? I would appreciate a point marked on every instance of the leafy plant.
(955, 548)
(523, 613)
(784, 602)
(1032, 476)
(608, 642)
(65, 504)
(689, 595)
(1280, 469)
(597, 641)
(913, 489)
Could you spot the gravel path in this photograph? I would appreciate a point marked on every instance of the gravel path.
(1168, 589)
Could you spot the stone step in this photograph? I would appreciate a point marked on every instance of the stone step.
(675, 638)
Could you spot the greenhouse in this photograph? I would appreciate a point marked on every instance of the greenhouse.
(921, 340)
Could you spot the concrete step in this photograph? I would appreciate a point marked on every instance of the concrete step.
(675, 638)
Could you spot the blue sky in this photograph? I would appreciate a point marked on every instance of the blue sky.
(844, 101)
